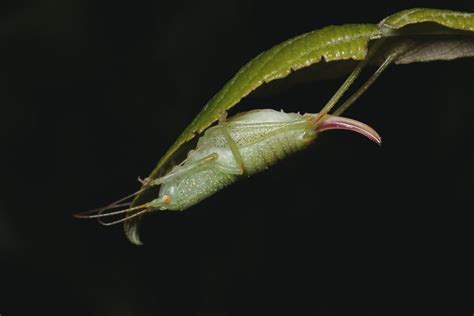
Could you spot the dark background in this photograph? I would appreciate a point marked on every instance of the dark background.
(92, 94)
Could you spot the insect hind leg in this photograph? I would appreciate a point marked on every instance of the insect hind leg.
(353, 76)
(366, 85)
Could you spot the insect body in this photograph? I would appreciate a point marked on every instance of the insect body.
(248, 143)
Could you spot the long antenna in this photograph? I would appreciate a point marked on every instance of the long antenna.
(100, 213)
(100, 210)
(127, 197)
(123, 219)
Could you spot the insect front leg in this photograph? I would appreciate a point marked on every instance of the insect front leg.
(230, 141)
(353, 76)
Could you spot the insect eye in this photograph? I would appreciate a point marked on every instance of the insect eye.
(166, 199)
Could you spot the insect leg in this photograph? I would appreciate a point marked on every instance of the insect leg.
(353, 76)
(366, 85)
(339, 93)
(201, 162)
(232, 145)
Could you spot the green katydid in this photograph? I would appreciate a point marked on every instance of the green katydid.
(226, 152)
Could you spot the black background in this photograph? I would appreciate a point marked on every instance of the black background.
(92, 94)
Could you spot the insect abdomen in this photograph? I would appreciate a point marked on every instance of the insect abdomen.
(264, 154)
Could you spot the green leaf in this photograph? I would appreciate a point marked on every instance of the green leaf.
(336, 43)
(428, 34)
